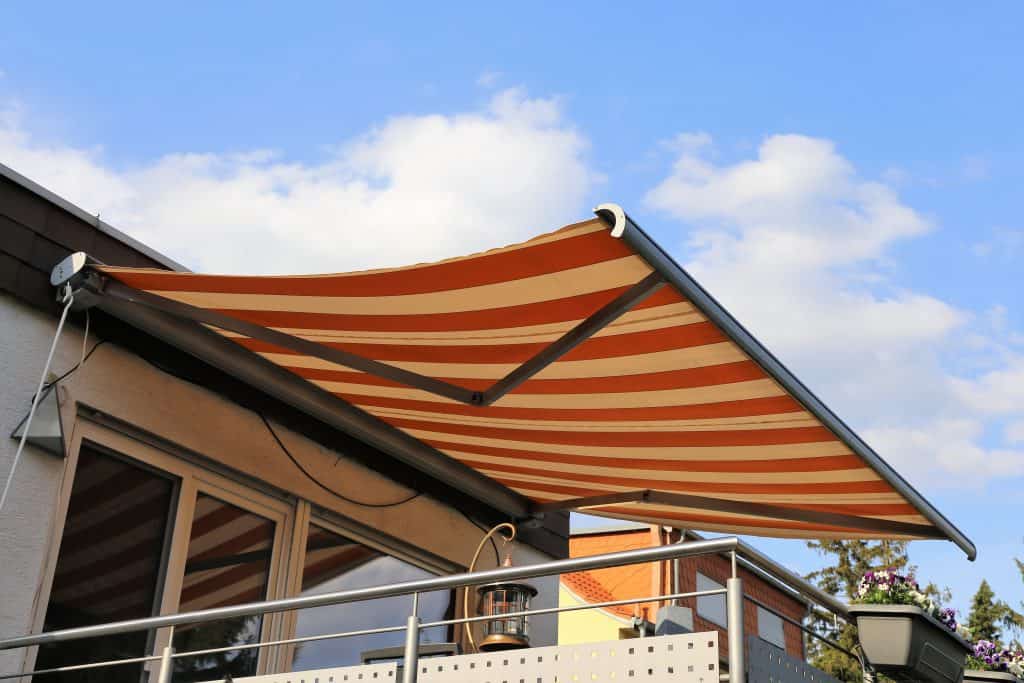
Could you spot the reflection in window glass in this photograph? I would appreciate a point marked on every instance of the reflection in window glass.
(333, 563)
(711, 607)
(109, 564)
(228, 563)
(769, 627)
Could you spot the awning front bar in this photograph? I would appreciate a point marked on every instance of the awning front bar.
(622, 226)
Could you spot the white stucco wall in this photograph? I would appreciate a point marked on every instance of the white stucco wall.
(26, 521)
(120, 383)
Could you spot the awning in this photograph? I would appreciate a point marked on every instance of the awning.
(581, 369)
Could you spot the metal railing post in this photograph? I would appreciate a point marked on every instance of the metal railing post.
(734, 610)
(410, 662)
(166, 659)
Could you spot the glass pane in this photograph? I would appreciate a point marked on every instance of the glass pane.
(335, 563)
(711, 607)
(229, 554)
(769, 627)
(109, 565)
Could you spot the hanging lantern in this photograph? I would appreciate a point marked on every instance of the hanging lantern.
(505, 632)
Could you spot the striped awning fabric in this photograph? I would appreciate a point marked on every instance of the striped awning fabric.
(590, 378)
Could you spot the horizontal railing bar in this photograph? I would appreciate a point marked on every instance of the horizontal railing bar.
(289, 641)
(575, 564)
(802, 586)
(447, 622)
(438, 624)
(800, 625)
(573, 608)
(80, 667)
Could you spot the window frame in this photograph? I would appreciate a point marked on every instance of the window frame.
(306, 516)
(196, 473)
(194, 476)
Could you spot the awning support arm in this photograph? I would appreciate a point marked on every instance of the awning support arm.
(287, 387)
(740, 507)
(583, 331)
(576, 336)
(115, 289)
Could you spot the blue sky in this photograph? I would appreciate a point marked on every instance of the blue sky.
(843, 178)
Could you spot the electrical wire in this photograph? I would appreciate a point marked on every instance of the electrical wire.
(288, 453)
(77, 365)
(316, 481)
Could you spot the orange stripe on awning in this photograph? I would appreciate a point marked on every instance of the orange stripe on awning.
(573, 424)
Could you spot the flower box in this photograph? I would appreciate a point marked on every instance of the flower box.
(982, 676)
(908, 643)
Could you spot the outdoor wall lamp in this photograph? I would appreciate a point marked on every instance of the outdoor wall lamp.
(45, 431)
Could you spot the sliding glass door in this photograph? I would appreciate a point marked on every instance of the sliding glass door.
(110, 564)
(151, 532)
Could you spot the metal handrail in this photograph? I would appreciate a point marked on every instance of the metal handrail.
(435, 583)
(729, 546)
(444, 622)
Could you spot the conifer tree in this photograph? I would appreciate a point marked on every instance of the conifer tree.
(850, 561)
(987, 615)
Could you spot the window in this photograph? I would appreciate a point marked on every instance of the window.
(228, 563)
(711, 607)
(769, 627)
(155, 533)
(334, 562)
(110, 563)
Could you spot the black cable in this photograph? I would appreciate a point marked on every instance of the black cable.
(77, 365)
(326, 488)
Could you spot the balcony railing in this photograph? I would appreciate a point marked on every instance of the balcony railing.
(737, 551)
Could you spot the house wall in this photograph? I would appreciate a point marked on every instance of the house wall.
(118, 388)
(27, 520)
(719, 569)
(642, 580)
(585, 625)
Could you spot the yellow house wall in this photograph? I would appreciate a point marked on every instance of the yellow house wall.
(584, 626)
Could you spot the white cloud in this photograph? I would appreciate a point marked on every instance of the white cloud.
(998, 392)
(795, 242)
(415, 188)
(1002, 243)
(951, 448)
(1014, 432)
(488, 79)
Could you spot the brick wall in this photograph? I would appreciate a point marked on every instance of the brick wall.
(719, 568)
(635, 581)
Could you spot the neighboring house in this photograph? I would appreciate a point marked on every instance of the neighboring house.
(707, 572)
(183, 488)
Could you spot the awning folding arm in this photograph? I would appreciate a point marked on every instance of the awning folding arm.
(652, 497)
(103, 286)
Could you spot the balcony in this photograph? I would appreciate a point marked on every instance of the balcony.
(689, 657)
